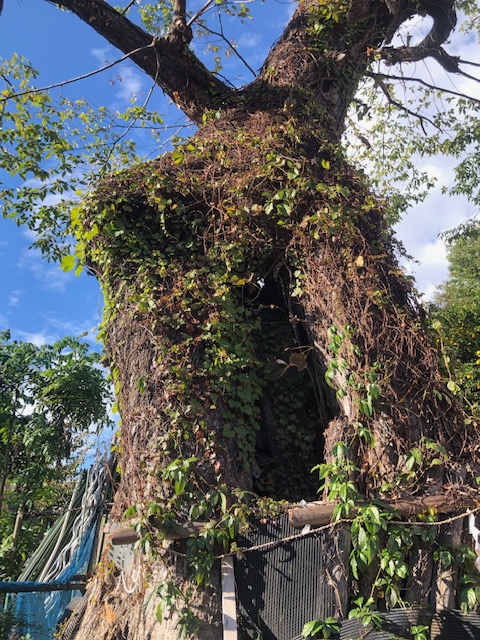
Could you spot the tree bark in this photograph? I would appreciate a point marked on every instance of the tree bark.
(229, 271)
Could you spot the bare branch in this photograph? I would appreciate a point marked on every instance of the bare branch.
(200, 12)
(470, 62)
(395, 103)
(232, 47)
(131, 124)
(385, 76)
(129, 6)
(394, 55)
(56, 85)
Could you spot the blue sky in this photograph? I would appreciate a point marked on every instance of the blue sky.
(39, 302)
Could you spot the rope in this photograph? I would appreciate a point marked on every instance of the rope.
(133, 588)
(330, 525)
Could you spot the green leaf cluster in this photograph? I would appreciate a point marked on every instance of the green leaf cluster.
(456, 316)
(50, 397)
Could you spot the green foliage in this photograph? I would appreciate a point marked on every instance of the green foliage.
(55, 150)
(321, 628)
(416, 122)
(456, 316)
(364, 611)
(381, 547)
(223, 511)
(50, 397)
(172, 598)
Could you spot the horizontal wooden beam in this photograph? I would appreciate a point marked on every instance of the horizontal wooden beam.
(127, 535)
(320, 513)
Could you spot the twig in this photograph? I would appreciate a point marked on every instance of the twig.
(401, 106)
(145, 102)
(473, 64)
(78, 78)
(200, 12)
(129, 5)
(233, 48)
(425, 84)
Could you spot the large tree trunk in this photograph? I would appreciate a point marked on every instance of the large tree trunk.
(241, 274)
(224, 275)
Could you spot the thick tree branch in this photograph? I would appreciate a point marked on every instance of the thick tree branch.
(176, 69)
(393, 55)
(179, 29)
(63, 83)
(444, 21)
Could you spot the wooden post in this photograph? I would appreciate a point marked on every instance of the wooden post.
(447, 577)
(229, 601)
(127, 535)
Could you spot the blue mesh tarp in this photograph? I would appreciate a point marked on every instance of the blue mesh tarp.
(39, 613)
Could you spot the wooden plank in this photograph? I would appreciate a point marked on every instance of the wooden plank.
(320, 513)
(127, 535)
(178, 531)
(229, 600)
(124, 535)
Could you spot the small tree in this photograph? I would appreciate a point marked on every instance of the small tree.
(457, 309)
(50, 398)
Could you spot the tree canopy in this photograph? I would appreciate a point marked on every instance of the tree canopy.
(55, 148)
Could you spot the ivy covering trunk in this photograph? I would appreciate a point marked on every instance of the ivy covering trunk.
(258, 324)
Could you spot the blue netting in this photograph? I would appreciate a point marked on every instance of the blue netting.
(39, 613)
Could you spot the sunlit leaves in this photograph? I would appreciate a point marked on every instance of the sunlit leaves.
(52, 150)
(457, 316)
(50, 396)
(391, 141)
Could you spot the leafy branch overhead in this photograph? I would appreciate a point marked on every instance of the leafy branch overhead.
(64, 145)
(172, 64)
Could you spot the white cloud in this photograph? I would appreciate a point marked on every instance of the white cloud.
(125, 78)
(419, 231)
(49, 276)
(249, 40)
(87, 328)
(129, 83)
(100, 54)
(433, 267)
(37, 338)
(14, 297)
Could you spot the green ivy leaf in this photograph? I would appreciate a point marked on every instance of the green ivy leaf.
(159, 613)
(68, 263)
